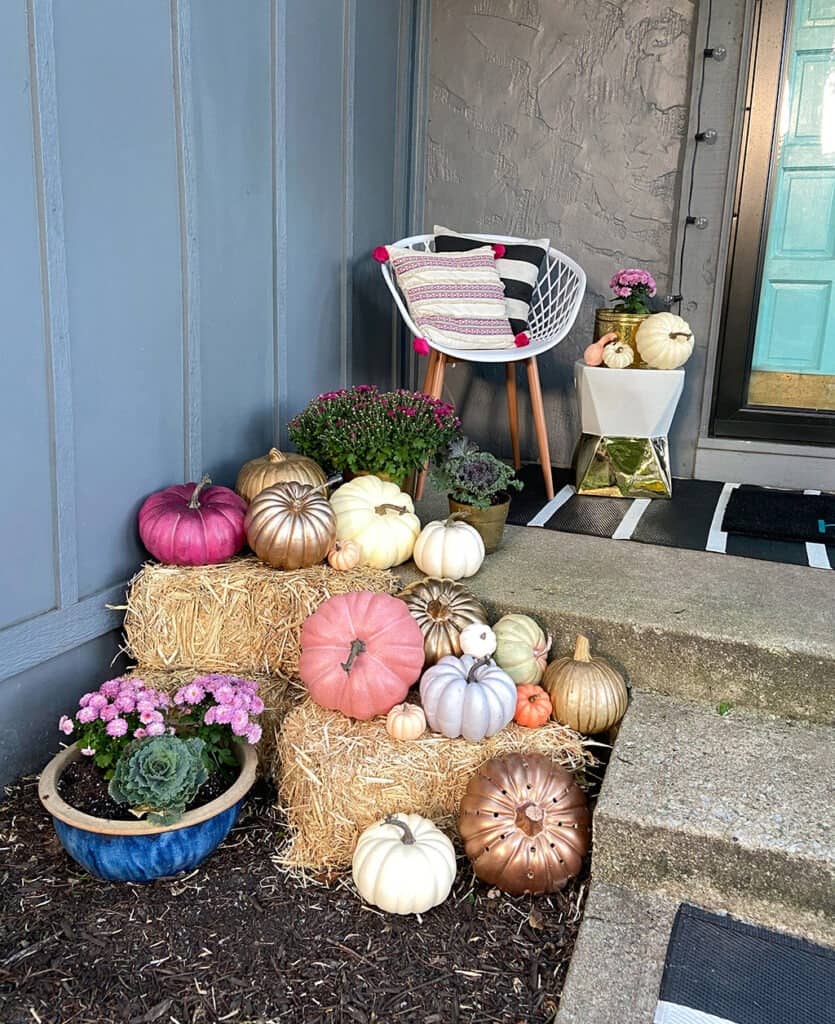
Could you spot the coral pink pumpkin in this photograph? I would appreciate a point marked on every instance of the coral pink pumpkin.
(193, 524)
(360, 653)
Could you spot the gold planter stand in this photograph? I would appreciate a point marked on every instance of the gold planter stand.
(625, 325)
(624, 467)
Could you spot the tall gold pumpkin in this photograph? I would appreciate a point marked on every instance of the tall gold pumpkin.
(276, 468)
(586, 693)
(290, 526)
(442, 608)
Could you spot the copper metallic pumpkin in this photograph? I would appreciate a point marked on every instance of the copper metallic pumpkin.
(587, 694)
(525, 824)
(290, 526)
(442, 608)
(277, 468)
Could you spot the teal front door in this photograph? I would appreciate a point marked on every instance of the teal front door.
(793, 362)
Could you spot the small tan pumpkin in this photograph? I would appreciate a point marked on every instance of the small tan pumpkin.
(587, 694)
(344, 555)
(593, 356)
(442, 608)
(406, 722)
(290, 526)
(276, 468)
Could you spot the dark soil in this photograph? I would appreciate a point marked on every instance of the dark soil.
(238, 940)
(84, 787)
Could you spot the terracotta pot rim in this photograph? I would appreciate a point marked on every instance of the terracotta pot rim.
(60, 809)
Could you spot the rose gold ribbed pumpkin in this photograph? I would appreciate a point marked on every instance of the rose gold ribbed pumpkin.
(442, 608)
(587, 694)
(276, 468)
(525, 824)
(290, 526)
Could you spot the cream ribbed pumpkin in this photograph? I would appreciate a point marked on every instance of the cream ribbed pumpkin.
(587, 694)
(406, 722)
(379, 517)
(618, 356)
(664, 341)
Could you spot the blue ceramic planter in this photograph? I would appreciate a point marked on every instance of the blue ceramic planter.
(133, 851)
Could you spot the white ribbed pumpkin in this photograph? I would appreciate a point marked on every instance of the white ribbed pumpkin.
(665, 341)
(522, 648)
(467, 696)
(379, 517)
(403, 865)
(449, 549)
(618, 356)
(477, 639)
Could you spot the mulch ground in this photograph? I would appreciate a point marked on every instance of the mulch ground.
(239, 940)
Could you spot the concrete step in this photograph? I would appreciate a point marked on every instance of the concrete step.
(690, 624)
(731, 812)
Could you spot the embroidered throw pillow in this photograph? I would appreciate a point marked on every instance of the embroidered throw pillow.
(518, 268)
(456, 299)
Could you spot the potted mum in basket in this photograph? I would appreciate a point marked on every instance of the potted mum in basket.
(478, 488)
(363, 430)
(633, 288)
(152, 784)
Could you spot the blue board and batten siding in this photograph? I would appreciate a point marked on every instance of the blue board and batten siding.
(189, 193)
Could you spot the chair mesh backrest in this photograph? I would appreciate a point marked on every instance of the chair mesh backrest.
(555, 301)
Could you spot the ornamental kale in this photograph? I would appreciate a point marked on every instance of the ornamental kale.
(634, 287)
(472, 476)
(159, 776)
(362, 428)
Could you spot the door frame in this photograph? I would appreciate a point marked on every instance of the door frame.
(731, 414)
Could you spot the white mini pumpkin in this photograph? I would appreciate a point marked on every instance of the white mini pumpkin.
(403, 865)
(617, 355)
(449, 549)
(522, 648)
(379, 517)
(406, 722)
(477, 639)
(467, 696)
(665, 341)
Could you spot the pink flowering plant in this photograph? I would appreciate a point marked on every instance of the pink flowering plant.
(633, 287)
(365, 429)
(216, 709)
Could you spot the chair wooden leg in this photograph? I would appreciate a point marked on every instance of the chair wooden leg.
(433, 386)
(431, 363)
(513, 412)
(540, 425)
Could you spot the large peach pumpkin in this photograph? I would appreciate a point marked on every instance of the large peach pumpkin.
(360, 653)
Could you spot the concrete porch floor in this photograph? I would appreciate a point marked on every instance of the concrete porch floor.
(732, 811)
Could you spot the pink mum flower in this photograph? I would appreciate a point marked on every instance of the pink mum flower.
(85, 700)
(149, 717)
(239, 722)
(140, 733)
(223, 714)
(87, 715)
(116, 727)
(66, 725)
(88, 751)
(193, 693)
(97, 701)
(125, 703)
(155, 729)
(253, 733)
(108, 712)
(110, 688)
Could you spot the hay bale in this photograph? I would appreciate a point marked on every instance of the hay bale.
(241, 616)
(337, 776)
(278, 693)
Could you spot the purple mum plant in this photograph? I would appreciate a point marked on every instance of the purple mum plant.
(633, 287)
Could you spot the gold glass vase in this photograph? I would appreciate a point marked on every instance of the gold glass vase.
(625, 325)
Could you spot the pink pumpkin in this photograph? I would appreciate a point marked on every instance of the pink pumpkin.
(360, 653)
(193, 524)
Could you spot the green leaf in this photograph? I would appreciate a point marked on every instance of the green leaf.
(724, 706)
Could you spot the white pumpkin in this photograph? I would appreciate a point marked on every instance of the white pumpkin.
(477, 639)
(467, 696)
(379, 517)
(522, 648)
(617, 355)
(449, 549)
(406, 722)
(664, 341)
(403, 865)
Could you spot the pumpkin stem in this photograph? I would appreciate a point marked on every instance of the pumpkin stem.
(194, 501)
(408, 837)
(381, 510)
(581, 649)
(357, 647)
(330, 482)
(274, 455)
(529, 818)
(476, 665)
(455, 517)
(543, 649)
(681, 334)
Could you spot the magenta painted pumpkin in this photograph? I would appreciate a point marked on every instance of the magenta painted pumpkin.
(360, 653)
(193, 524)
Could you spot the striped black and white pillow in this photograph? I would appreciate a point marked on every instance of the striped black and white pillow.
(518, 268)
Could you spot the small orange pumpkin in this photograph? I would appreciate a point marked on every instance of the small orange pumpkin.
(406, 722)
(593, 356)
(533, 706)
(344, 555)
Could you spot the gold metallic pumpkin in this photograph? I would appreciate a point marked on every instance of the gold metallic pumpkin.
(290, 525)
(525, 824)
(587, 694)
(276, 468)
(442, 608)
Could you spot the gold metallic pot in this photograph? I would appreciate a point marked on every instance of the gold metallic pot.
(489, 522)
(625, 325)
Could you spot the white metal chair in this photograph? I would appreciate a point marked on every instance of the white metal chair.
(554, 308)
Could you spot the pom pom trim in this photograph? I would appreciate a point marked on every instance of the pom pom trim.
(421, 346)
(498, 250)
(521, 340)
(381, 254)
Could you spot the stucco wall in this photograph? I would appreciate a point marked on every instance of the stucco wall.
(567, 119)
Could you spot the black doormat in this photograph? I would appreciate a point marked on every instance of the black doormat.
(781, 515)
(695, 518)
(722, 971)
